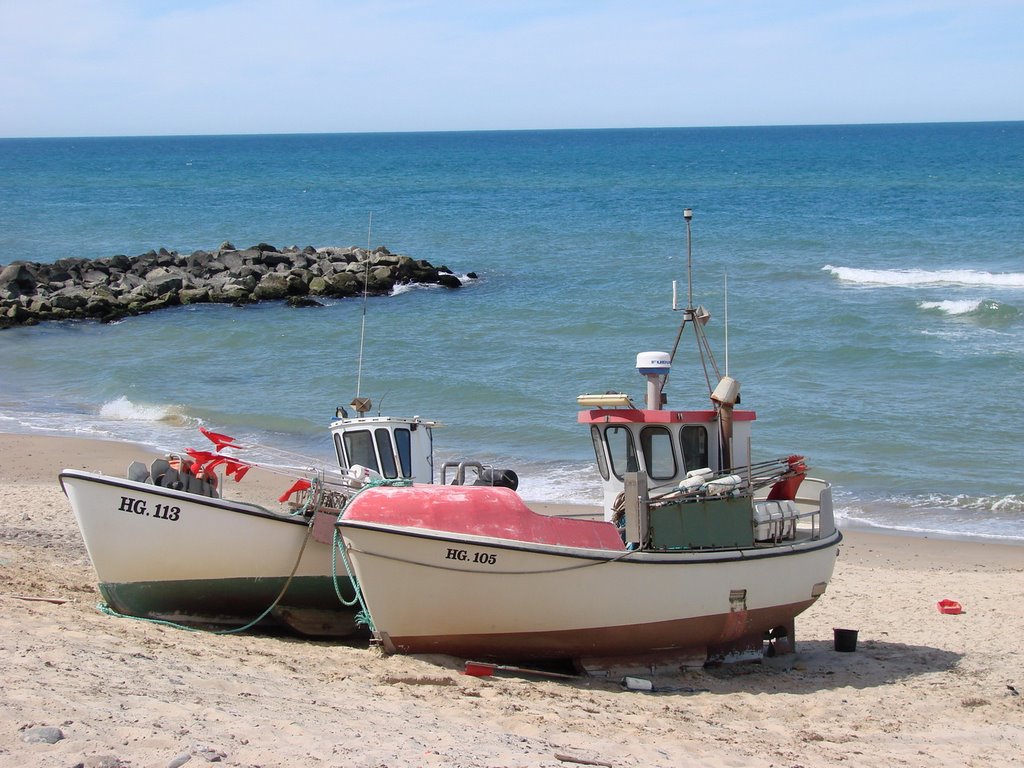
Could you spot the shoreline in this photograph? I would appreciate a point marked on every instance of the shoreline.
(922, 689)
(25, 459)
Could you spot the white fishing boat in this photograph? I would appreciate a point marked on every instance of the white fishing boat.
(701, 553)
(168, 544)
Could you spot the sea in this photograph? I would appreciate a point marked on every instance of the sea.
(865, 285)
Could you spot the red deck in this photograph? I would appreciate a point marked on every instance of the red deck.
(478, 511)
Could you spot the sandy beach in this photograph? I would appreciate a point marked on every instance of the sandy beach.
(922, 688)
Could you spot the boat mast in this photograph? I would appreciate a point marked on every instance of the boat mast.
(696, 316)
(687, 217)
(725, 391)
(362, 404)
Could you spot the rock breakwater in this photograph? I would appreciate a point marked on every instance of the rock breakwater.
(112, 288)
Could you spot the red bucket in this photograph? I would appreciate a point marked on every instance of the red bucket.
(950, 606)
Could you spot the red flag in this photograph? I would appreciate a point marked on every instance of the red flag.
(236, 468)
(202, 459)
(299, 485)
(219, 440)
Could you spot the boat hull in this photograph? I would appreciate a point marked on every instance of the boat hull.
(478, 597)
(174, 556)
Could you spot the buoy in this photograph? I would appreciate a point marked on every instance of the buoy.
(724, 484)
(691, 483)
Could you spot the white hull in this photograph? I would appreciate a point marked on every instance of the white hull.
(173, 555)
(481, 596)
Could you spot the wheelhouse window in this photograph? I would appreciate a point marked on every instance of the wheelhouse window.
(694, 442)
(622, 450)
(375, 450)
(387, 456)
(342, 461)
(602, 465)
(403, 442)
(359, 449)
(659, 458)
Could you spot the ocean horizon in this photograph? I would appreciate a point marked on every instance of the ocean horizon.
(875, 289)
(457, 131)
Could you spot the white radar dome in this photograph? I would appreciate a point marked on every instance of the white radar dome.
(656, 363)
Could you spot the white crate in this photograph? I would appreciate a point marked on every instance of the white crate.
(774, 520)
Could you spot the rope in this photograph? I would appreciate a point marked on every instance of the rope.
(499, 573)
(363, 617)
(338, 547)
(104, 608)
(312, 501)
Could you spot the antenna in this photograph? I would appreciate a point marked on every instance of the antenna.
(688, 312)
(697, 316)
(726, 323)
(362, 329)
(687, 216)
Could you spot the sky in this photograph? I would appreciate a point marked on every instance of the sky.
(157, 67)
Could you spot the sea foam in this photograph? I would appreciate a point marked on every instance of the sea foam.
(123, 409)
(914, 277)
(983, 311)
(401, 288)
(962, 307)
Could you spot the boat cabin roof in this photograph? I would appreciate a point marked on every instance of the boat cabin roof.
(645, 416)
(357, 421)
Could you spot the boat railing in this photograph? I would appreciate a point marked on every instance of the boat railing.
(474, 473)
(815, 498)
(718, 519)
(460, 468)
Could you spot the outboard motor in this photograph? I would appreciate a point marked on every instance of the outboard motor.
(502, 478)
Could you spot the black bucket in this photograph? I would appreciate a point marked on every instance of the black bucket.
(846, 640)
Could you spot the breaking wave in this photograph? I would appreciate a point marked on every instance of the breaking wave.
(398, 290)
(915, 277)
(960, 516)
(981, 309)
(123, 409)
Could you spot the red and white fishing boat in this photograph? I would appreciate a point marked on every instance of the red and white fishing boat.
(702, 553)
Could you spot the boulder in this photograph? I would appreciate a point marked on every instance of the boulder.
(272, 286)
(338, 284)
(162, 281)
(70, 299)
(302, 301)
(194, 295)
(234, 289)
(449, 280)
(17, 279)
